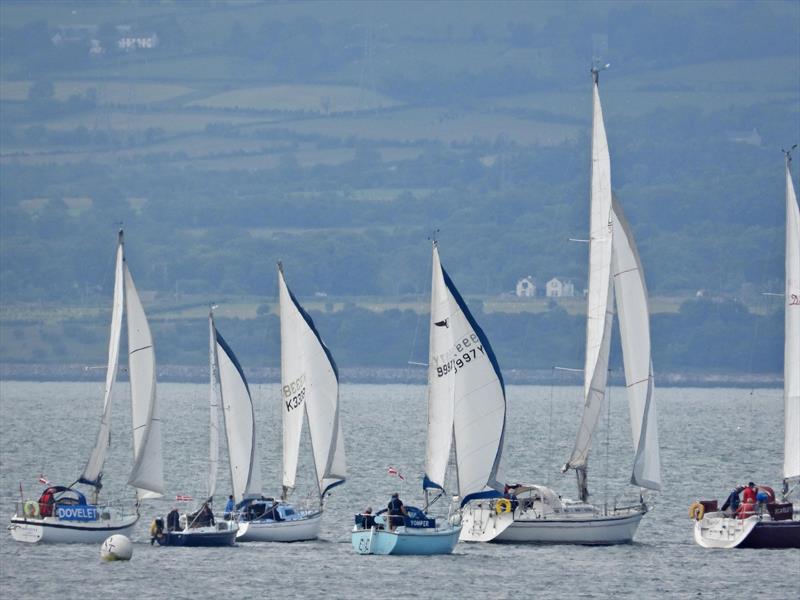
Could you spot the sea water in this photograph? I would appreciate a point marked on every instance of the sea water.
(711, 440)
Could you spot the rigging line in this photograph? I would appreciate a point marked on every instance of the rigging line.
(549, 453)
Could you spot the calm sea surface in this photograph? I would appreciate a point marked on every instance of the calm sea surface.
(711, 439)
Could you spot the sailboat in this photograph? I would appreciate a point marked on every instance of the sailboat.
(536, 513)
(200, 528)
(466, 414)
(309, 388)
(63, 513)
(772, 523)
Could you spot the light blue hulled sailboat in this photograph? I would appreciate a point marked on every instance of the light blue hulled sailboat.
(466, 411)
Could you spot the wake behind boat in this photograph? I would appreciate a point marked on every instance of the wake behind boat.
(63, 514)
(466, 414)
(762, 521)
(535, 513)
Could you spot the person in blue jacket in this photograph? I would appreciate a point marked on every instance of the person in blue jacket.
(229, 507)
(396, 511)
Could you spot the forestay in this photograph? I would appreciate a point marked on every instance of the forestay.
(791, 367)
(599, 316)
(92, 472)
(239, 417)
(441, 385)
(479, 399)
(634, 326)
(147, 475)
(309, 385)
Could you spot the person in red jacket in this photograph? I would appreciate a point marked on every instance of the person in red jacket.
(749, 493)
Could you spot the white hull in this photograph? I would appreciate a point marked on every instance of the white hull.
(550, 523)
(51, 530)
(280, 531)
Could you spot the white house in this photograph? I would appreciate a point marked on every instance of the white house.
(526, 287)
(559, 288)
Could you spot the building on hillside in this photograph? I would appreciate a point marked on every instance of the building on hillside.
(526, 287)
(560, 288)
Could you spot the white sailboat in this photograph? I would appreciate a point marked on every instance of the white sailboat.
(466, 413)
(200, 528)
(309, 389)
(63, 514)
(535, 513)
(773, 523)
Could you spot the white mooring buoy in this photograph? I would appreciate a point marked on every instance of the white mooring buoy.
(116, 547)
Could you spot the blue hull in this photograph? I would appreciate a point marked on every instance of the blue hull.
(199, 538)
(773, 534)
(405, 541)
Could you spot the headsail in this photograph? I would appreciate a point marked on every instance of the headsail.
(239, 417)
(441, 385)
(147, 475)
(310, 384)
(93, 471)
(600, 297)
(791, 357)
(634, 327)
(213, 405)
(479, 397)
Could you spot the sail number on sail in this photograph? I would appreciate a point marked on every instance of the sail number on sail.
(295, 393)
(459, 356)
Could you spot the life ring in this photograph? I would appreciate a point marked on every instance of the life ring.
(502, 506)
(696, 511)
(31, 509)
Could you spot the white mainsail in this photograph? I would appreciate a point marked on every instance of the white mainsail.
(634, 327)
(599, 316)
(791, 357)
(93, 471)
(239, 417)
(213, 402)
(441, 384)
(147, 475)
(310, 385)
(479, 398)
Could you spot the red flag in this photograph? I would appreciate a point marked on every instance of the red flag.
(181, 498)
(395, 473)
(43, 480)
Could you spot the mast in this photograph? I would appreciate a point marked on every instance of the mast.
(791, 356)
(213, 401)
(600, 299)
(93, 471)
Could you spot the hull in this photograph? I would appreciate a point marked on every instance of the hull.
(404, 541)
(298, 530)
(538, 525)
(221, 535)
(602, 531)
(717, 531)
(51, 530)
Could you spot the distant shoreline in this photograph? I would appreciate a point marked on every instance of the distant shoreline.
(382, 375)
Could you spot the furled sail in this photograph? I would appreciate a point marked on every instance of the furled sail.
(310, 385)
(791, 357)
(213, 405)
(634, 326)
(441, 384)
(479, 397)
(239, 417)
(147, 475)
(599, 316)
(93, 471)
